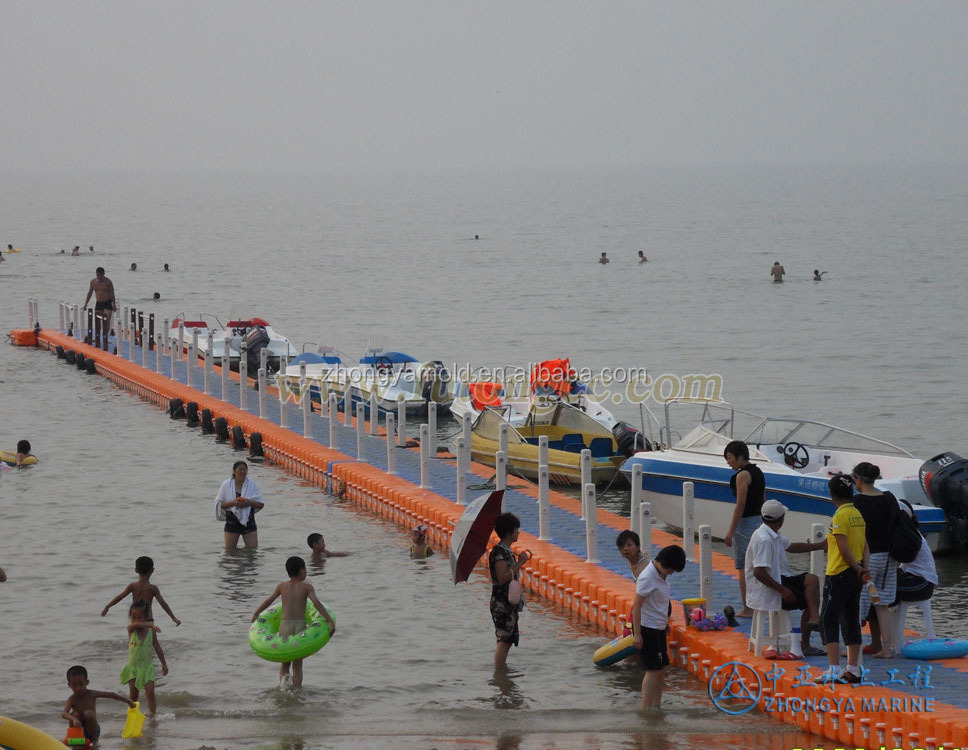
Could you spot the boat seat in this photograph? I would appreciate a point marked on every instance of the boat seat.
(531, 440)
(555, 445)
(572, 437)
(574, 447)
(601, 447)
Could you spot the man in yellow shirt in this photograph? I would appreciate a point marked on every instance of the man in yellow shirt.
(847, 556)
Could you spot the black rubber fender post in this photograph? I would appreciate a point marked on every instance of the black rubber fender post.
(191, 414)
(176, 408)
(221, 430)
(255, 445)
(238, 438)
(71, 356)
(60, 352)
(207, 427)
(79, 361)
(90, 366)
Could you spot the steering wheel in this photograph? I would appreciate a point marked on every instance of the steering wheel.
(383, 363)
(795, 455)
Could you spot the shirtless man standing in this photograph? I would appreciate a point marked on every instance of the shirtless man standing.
(103, 291)
(777, 273)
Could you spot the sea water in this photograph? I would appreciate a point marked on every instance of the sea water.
(358, 260)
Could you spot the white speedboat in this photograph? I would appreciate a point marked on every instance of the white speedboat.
(393, 377)
(797, 457)
(549, 383)
(249, 334)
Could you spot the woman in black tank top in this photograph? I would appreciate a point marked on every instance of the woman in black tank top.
(749, 489)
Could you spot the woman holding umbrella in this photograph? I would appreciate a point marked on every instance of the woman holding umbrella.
(504, 566)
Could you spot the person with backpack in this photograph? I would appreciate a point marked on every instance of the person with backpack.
(878, 509)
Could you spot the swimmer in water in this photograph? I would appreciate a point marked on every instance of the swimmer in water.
(818, 274)
(134, 266)
(156, 295)
(166, 267)
(642, 258)
(604, 259)
(777, 273)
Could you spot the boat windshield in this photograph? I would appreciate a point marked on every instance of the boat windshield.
(783, 430)
(488, 425)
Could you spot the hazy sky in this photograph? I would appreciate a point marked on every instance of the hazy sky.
(452, 83)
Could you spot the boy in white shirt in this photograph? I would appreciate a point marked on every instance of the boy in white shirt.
(650, 620)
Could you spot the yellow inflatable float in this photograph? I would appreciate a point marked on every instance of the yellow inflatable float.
(15, 735)
(10, 458)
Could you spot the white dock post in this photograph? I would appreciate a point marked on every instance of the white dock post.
(360, 429)
(194, 353)
(189, 364)
(172, 358)
(542, 450)
(591, 523)
(181, 338)
(391, 454)
(262, 393)
(283, 402)
(333, 416)
(164, 337)
(645, 529)
(586, 473)
(130, 342)
(706, 565)
(689, 521)
(207, 380)
(461, 472)
(432, 428)
(144, 347)
(226, 366)
(264, 360)
(158, 352)
(817, 563)
(401, 423)
(502, 438)
(501, 470)
(544, 503)
(348, 405)
(243, 378)
(78, 334)
(636, 498)
(465, 427)
(306, 403)
(424, 456)
(374, 412)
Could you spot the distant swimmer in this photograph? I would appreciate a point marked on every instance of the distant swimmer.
(604, 259)
(62, 252)
(642, 258)
(90, 249)
(777, 273)
(166, 267)
(156, 295)
(76, 250)
(818, 274)
(134, 266)
(477, 236)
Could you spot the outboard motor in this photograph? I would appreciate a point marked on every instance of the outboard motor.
(944, 480)
(630, 440)
(256, 339)
(435, 379)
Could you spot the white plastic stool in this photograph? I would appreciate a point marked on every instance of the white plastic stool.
(902, 609)
(779, 624)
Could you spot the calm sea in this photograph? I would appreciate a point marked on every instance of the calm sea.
(391, 260)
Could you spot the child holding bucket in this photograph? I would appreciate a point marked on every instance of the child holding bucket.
(139, 672)
(650, 620)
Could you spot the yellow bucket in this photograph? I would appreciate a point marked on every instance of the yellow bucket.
(688, 605)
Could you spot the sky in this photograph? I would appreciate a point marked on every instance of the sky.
(400, 84)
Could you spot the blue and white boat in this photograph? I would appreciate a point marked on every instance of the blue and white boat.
(797, 457)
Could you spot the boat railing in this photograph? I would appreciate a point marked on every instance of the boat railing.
(721, 425)
(784, 430)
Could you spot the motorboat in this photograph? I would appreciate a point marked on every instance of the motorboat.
(394, 377)
(797, 456)
(547, 384)
(249, 334)
(569, 431)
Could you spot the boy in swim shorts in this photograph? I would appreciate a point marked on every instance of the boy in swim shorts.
(81, 708)
(294, 594)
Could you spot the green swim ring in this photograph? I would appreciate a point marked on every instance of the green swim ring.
(265, 640)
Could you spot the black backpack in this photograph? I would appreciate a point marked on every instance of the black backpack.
(903, 537)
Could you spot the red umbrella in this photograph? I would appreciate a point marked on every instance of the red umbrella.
(472, 533)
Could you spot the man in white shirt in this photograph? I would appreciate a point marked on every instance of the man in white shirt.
(770, 587)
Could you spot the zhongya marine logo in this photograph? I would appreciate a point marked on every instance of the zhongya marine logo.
(735, 688)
